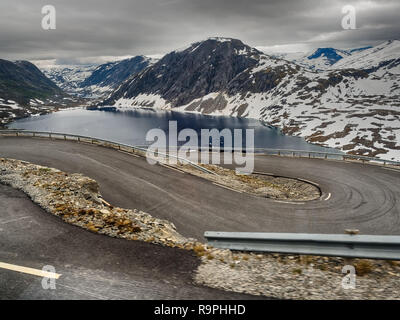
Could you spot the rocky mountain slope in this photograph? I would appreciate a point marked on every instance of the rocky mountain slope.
(354, 109)
(22, 81)
(109, 75)
(25, 90)
(92, 81)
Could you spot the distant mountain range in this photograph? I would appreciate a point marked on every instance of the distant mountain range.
(347, 99)
(319, 59)
(353, 104)
(69, 77)
(93, 81)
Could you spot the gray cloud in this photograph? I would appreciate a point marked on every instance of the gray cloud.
(97, 28)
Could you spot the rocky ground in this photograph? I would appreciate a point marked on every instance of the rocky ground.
(76, 199)
(267, 186)
(297, 277)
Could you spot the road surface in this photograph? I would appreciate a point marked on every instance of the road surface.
(355, 196)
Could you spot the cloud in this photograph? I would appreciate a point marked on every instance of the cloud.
(94, 29)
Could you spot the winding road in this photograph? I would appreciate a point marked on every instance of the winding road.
(364, 197)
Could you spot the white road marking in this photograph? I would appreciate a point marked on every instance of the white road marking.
(35, 272)
(328, 197)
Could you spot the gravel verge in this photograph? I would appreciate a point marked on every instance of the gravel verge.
(266, 186)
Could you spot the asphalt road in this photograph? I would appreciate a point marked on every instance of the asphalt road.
(357, 196)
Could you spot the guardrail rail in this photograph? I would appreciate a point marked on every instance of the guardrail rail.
(383, 247)
(80, 138)
(267, 151)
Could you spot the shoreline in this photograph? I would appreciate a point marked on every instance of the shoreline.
(262, 122)
(144, 108)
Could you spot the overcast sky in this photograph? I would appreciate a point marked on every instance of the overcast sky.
(96, 30)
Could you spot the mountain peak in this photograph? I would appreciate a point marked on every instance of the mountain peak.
(332, 55)
(192, 72)
(213, 43)
(222, 39)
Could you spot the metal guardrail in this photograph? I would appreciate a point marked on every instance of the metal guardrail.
(118, 145)
(301, 153)
(338, 245)
(268, 151)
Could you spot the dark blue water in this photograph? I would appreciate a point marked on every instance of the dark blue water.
(130, 127)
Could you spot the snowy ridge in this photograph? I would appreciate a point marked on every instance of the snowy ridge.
(356, 110)
(69, 77)
(372, 57)
(320, 59)
(78, 80)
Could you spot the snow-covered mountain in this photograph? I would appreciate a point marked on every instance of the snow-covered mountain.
(384, 57)
(354, 109)
(69, 77)
(92, 81)
(319, 59)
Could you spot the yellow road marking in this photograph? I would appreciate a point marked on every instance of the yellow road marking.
(35, 272)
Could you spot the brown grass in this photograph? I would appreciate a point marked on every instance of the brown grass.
(363, 267)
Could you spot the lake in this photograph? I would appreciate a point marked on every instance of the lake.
(130, 127)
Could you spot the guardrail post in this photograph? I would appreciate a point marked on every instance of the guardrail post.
(33, 134)
(16, 134)
(65, 137)
(326, 156)
(49, 135)
(279, 152)
(384, 163)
